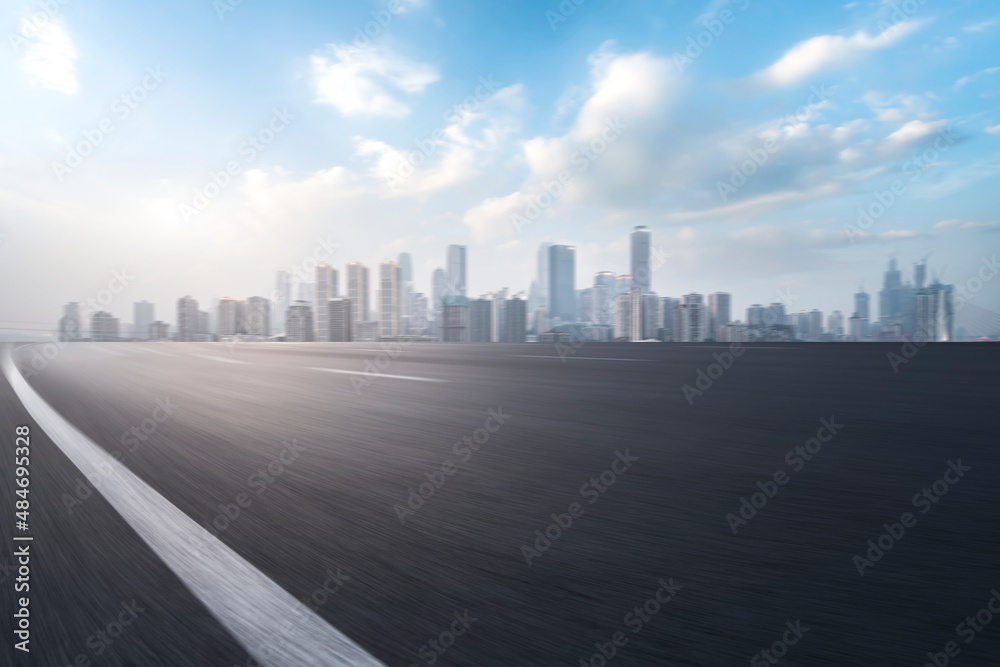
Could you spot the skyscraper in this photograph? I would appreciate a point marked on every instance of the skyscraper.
(835, 324)
(652, 315)
(142, 317)
(326, 289)
(405, 263)
(299, 323)
(439, 289)
(229, 319)
(862, 310)
(481, 320)
(187, 319)
(516, 320)
(456, 270)
(282, 298)
(641, 270)
(692, 318)
(339, 320)
(257, 318)
(388, 299)
(103, 326)
(815, 324)
(542, 277)
(718, 312)
(602, 293)
(357, 294)
(69, 323)
(562, 283)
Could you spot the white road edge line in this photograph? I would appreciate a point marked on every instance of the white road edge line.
(378, 375)
(251, 606)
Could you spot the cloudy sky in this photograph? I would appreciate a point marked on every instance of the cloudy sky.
(201, 146)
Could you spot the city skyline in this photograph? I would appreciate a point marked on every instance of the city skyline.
(756, 158)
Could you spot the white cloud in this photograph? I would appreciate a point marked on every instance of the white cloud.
(49, 57)
(993, 129)
(355, 81)
(827, 51)
(965, 80)
(979, 27)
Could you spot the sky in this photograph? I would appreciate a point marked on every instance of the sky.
(776, 150)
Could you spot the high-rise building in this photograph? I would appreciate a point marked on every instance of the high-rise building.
(562, 283)
(357, 293)
(602, 295)
(456, 270)
(282, 298)
(835, 324)
(934, 313)
(103, 326)
(803, 330)
(326, 289)
(640, 267)
(187, 319)
(671, 324)
(481, 320)
(339, 320)
(815, 324)
(516, 320)
(388, 299)
(299, 323)
(652, 315)
(625, 319)
(718, 312)
(755, 315)
(405, 262)
(542, 276)
(585, 304)
(692, 318)
(499, 315)
(203, 323)
(69, 323)
(159, 330)
(257, 318)
(142, 317)
(229, 319)
(862, 310)
(455, 319)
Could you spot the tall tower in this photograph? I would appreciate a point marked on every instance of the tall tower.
(718, 312)
(282, 298)
(357, 293)
(142, 317)
(562, 282)
(388, 298)
(187, 319)
(543, 276)
(640, 258)
(326, 289)
(456, 270)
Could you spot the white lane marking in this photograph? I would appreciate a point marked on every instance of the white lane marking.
(149, 349)
(274, 627)
(377, 375)
(99, 346)
(748, 346)
(549, 356)
(232, 361)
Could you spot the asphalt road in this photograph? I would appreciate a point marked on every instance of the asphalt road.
(308, 474)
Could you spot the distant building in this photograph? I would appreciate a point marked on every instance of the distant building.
(481, 320)
(326, 289)
(815, 324)
(562, 283)
(159, 330)
(516, 317)
(719, 306)
(641, 270)
(358, 290)
(692, 318)
(142, 312)
(299, 323)
(229, 317)
(257, 318)
(652, 315)
(103, 326)
(388, 299)
(69, 323)
(456, 270)
(338, 318)
(282, 298)
(835, 323)
(455, 319)
(187, 319)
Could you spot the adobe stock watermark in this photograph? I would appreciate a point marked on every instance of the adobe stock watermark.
(883, 200)
(130, 440)
(796, 458)
(714, 27)
(428, 146)
(259, 482)
(584, 155)
(924, 501)
(248, 148)
(967, 630)
(592, 491)
(779, 649)
(704, 379)
(465, 448)
(965, 293)
(121, 108)
(563, 11)
(436, 647)
(635, 620)
(42, 355)
(741, 172)
(32, 24)
(381, 18)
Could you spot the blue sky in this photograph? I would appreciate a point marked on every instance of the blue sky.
(837, 101)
